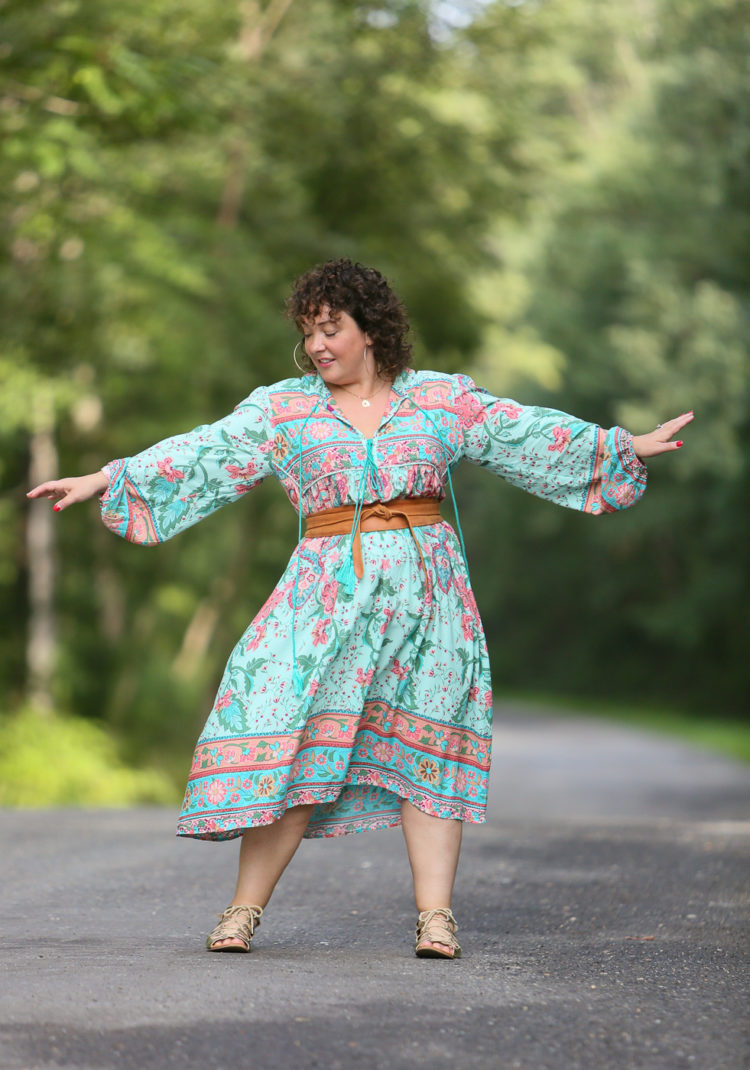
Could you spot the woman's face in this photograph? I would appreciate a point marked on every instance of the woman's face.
(336, 346)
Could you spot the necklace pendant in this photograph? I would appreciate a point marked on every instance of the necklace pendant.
(365, 403)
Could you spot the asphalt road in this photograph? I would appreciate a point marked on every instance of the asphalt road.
(603, 912)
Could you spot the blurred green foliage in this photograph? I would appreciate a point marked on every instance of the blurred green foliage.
(70, 761)
(559, 192)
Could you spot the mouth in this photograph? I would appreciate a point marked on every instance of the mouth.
(325, 362)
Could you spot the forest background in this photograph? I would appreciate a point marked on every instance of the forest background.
(559, 189)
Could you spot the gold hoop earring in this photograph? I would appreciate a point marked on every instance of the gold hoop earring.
(294, 358)
(364, 358)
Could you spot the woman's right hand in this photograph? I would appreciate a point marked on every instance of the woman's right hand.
(65, 492)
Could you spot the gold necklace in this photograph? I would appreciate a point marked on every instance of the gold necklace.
(365, 401)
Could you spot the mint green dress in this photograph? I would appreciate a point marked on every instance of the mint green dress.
(349, 693)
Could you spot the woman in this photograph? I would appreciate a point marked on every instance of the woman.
(359, 697)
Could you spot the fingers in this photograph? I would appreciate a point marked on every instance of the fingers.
(61, 489)
(69, 499)
(52, 489)
(661, 439)
(671, 427)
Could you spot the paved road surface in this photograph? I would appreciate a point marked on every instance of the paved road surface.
(603, 915)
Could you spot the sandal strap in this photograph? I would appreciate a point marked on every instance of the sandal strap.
(237, 922)
(438, 926)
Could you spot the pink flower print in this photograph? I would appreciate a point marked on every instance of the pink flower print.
(320, 635)
(625, 494)
(562, 438)
(388, 615)
(467, 622)
(328, 595)
(216, 792)
(329, 462)
(364, 679)
(382, 751)
(386, 486)
(460, 781)
(342, 488)
(385, 565)
(487, 700)
(473, 694)
(314, 685)
(469, 410)
(165, 469)
(260, 634)
(241, 473)
(401, 452)
(399, 670)
(318, 431)
(224, 701)
(273, 600)
(507, 409)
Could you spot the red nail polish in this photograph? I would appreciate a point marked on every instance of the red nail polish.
(56, 507)
(678, 444)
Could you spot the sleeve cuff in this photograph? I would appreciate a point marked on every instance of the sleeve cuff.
(629, 459)
(111, 471)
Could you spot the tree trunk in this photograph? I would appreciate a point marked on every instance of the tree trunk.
(41, 648)
(256, 30)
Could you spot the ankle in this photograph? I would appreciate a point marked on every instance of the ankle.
(423, 905)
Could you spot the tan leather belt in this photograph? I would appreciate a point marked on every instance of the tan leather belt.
(377, 516)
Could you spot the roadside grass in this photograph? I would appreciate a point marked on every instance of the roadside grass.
(722, 734)
(62, 760)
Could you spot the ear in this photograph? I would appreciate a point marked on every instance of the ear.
(368, 340)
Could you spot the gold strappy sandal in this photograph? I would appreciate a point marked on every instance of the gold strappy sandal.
(236, 923)
(439, 927)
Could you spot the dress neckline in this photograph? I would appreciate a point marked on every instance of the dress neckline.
(394, 399)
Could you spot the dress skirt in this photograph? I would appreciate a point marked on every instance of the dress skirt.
(396, 701)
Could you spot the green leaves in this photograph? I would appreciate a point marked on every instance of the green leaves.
(559, 192)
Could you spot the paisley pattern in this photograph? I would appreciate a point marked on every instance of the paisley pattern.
(354, 694)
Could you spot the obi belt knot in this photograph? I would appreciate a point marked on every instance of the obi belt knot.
(378, 516)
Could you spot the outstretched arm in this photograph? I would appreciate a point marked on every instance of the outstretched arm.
(170, 486)
(557, 456)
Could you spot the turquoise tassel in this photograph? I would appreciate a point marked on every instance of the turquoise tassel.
(346, 575)
(298, 682)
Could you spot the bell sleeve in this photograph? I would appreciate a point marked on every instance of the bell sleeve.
(549, 453)
(179, 481)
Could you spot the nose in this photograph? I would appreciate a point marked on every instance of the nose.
(317, 343)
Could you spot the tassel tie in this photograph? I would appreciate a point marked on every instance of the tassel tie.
(347, 569)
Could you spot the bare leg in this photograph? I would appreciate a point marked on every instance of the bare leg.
(265, 853)
(433, 845)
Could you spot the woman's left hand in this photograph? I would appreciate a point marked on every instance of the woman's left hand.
(660, 440)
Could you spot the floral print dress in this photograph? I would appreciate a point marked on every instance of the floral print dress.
(349, 693)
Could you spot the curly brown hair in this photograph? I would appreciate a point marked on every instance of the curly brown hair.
(365, 295)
